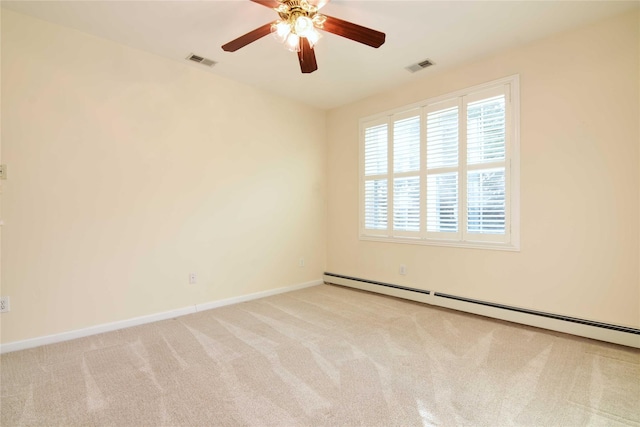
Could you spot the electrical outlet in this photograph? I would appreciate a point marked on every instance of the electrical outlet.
(193, 278)
(403, 269)
(4, 304)
(301, 262)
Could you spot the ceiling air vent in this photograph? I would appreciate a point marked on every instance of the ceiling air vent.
(420, 65)
(201, 60)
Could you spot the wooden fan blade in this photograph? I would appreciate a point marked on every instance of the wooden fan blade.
(268, 3)
(354, 32)
(307, 57)
(250, 37)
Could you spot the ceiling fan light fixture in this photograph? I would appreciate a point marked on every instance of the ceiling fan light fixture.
(293, 42)
(303, 26)
(313, 37)
(281, 30)
(298, 19)
(298, 28)
(318, 20)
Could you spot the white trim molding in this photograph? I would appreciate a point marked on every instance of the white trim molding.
(418, 154)
(136, 321)
(257, 295)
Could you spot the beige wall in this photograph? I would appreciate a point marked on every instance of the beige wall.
(579, 182)
(127, 171)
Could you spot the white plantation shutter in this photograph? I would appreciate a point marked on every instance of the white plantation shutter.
(442, 169)
(486, 201)
(375, 150)
(486, 154)
(442, 203)
(406, 173)
(442, 137)
(406, 204)
(406, 145)
(443, 172)
(376, 203)
(486, 130)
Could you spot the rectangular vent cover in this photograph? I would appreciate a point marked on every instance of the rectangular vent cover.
(420, 65)
(201, 60)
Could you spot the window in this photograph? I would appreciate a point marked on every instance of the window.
(444, 171)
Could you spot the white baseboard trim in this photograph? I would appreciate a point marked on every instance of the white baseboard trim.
(599, 331)
(93, 330)
(257, 295)
(141, 320)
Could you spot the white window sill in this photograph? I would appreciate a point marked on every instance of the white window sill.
(450, 243)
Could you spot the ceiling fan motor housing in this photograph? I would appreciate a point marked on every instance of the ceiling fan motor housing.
(290, 10)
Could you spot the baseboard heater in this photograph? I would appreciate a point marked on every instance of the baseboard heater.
(617, 334)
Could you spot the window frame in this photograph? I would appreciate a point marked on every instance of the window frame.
(511, 88)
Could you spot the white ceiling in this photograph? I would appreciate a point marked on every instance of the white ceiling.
(447, 32)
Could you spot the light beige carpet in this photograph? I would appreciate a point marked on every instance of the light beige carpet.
(324, 356)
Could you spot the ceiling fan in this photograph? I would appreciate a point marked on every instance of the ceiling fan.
(298, 29)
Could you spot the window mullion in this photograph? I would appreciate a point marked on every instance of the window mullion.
(390, 176)
(435, 171)
(423, 173)
(374, 177)
(406, 174)
(462, 170)
(508, 156)
(486, 165)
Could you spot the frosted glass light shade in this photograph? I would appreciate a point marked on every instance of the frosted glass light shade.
(293, 42)
(313, 37)
(281, 30)
(303, 26)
